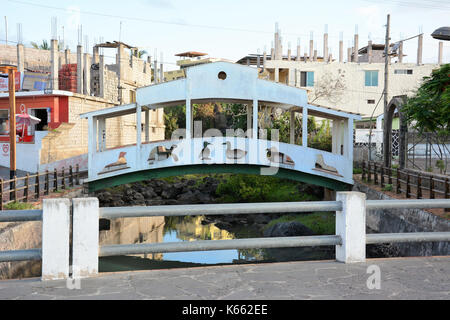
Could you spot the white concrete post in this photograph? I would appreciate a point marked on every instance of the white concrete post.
(249, 119)
(85, 237)
(188, 119)
(54, 54)
(305, 127)
(351, 227)
(138, 127)
(255, 119)
(292, 127)
(80, 69)
(55, 239)
(147, 125)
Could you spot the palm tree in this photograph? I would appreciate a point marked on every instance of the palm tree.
(43, 46)
(141, 53)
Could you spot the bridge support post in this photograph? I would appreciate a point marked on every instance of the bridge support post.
(55, 239)
(85, 237)
(351, 227)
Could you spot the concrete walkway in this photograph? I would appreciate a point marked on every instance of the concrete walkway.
(401, 278)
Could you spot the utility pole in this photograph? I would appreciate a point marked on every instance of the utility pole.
(386, 135)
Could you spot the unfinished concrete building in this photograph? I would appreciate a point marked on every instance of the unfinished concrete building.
(353, 83)
(56, 86)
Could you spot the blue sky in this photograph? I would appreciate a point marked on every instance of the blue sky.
(227, 29)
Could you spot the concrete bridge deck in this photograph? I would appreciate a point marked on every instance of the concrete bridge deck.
(401, 278)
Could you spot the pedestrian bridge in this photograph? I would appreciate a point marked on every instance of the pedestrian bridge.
(193, 151)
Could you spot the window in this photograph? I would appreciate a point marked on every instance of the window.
(370, 101)
(307, 79)
(4, 122)
(371, 79)
(403, 71)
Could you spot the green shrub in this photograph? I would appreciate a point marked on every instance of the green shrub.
(387, 187)
(18, 206)
(319, 222)
(357, 170)
(256, 188)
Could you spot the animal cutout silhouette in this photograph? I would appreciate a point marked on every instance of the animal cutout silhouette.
(160, 153)
(234, 153)
(120, 164)
(206, 152)
(274, 156)
(322, 166)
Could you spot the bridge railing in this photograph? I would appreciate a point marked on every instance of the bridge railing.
(350, 238)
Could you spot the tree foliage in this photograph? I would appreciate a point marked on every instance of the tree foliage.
(428, 111)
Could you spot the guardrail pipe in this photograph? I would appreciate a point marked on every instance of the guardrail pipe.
(55, 239)
(351, 227)
(85, 237)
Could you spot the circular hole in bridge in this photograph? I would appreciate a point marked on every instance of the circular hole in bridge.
(222, 75)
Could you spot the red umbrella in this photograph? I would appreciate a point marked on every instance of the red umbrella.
(23, 120)
(26, 119)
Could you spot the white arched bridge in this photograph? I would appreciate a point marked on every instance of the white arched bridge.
(194, 151)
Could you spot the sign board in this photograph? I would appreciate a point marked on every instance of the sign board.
(4, 82)
(35, 81)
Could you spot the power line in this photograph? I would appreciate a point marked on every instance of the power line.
(413, 4)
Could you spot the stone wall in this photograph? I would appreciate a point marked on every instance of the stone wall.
(405, 220)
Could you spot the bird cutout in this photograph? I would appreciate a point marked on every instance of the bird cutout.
(206, 152)
(234, 153)
(274, 156)
(321, 166)
(160, 153)
(120, 164)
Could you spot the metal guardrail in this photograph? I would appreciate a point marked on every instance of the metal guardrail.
(20, 216)
(257, 208)
(352, 210)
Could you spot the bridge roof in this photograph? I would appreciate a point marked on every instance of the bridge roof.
(222, 82)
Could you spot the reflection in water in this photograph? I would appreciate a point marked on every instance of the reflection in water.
(192, 228)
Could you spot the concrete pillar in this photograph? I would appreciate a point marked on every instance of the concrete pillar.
(349, 54)
(95, 55)
(277, 75)
(255, 119)
(101, 134)
(351, 227)
(272, 54)
(147, 125)
(20, 58)
(311, 50)
(292, 128)
(400, 53)
(249, 119)
(121, 61)
(315, 55)
(276, 42)
(155, 71)
(264, 60)
(87, 75)
(355, 49)
(138, 128)
(305, 58)
(92, 143)
(441, 52)
(341, 51)
(54, 64)
(161, 72)
(85, 237)
(330, 58)
(189, 117)
(325, 47)
(289, 54)
(55, 239)
(305, 127)
(419, 50)
(80, 69)
(298, 53)
(369, 51)
(101, 76)
(67, 56)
